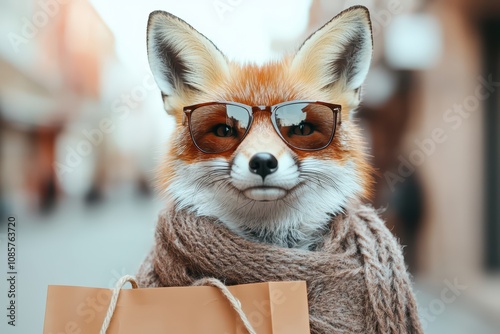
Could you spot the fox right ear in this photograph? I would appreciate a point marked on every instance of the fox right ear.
(182, 60)
(339, 53)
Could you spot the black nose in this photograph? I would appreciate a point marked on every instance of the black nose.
(263, 164)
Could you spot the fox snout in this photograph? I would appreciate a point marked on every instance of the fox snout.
(263, 165)
(263, 168)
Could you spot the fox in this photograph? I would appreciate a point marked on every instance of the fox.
(272, 151)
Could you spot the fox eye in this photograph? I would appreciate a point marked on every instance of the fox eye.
(223, 130)
(303, 129)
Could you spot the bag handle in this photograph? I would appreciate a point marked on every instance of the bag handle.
(235, 303)
(114, 299)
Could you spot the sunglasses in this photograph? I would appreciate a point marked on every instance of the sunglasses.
(218, 127)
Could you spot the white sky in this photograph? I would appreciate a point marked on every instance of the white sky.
(243, 32)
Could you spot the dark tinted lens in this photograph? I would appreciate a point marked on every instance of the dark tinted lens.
(307, 126)
(218, 127)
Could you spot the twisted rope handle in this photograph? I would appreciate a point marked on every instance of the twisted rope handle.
(235, 303)
(114, 299)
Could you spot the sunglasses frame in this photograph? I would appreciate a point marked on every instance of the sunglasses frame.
(335, 108)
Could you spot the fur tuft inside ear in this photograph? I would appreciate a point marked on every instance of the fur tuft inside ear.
(339, 53)
(181, 58)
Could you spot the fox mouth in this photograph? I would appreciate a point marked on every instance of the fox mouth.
(265, 193)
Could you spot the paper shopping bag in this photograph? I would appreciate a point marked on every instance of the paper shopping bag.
(273, 307)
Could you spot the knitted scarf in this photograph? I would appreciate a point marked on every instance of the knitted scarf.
(357, 280)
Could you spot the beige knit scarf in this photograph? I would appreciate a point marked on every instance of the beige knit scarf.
(357, 280)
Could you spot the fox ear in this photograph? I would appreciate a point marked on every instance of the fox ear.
(339, 53)
(182, 59)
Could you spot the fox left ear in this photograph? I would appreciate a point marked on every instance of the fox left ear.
(182, 60)
(339, 53)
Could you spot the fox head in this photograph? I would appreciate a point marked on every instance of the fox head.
(264, 188)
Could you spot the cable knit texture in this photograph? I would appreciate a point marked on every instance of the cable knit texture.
(357, 280)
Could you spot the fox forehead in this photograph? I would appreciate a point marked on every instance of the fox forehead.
(262, 85)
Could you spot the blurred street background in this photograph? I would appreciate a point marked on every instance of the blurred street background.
(82, 129)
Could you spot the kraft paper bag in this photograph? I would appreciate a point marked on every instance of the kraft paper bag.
(271, 308)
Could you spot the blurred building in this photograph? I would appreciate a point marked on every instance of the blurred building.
(71, 112)
(52, 62)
